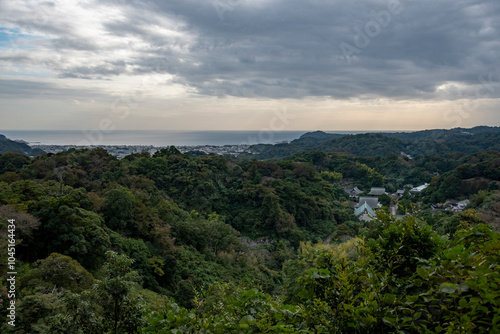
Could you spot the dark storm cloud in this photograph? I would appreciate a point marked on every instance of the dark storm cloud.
(292, 48)
(298, 48)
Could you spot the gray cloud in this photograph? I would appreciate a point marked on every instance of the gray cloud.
(291, 48)
(286, 48)
(22, 88)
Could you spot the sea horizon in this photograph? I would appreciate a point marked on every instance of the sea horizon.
(161, 137)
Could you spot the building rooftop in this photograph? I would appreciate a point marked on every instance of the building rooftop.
(419, 189)
(359, 211)
(377, 191)
(357, 191)
(371, 201)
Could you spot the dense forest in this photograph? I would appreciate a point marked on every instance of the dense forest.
(419, 143)
(192, 243)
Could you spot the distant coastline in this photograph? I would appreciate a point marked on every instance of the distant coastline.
(158, 138)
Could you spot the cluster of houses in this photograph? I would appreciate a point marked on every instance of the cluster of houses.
(366, 206)
(365, 209)
(411, 190)
(451, 205)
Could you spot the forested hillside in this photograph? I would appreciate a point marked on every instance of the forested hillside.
(7, 145)
(205, 244)
(419, 143)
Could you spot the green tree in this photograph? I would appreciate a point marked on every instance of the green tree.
(25, 224)
(402, 243)
(57, 272)
(167, 152)
(70, 230)
(331, 176)
(35, 312)
(493, 185)
(385, 200)
(463, 220)
(107, 307)
(13, 162)
(119, 209)
(114, 291)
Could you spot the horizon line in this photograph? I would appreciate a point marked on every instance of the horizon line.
(252, 130)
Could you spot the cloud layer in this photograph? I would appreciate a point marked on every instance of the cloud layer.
(253, 49)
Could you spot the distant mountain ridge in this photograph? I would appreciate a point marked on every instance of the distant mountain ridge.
(317, 136)
(426, 142)
(7, 145)
(443, 133)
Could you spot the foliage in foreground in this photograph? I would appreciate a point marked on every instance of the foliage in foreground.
(405, 279)
(436, 285)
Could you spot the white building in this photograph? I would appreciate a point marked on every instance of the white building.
(419, 189)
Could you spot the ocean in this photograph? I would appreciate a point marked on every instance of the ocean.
(150, 137)
(155, 137)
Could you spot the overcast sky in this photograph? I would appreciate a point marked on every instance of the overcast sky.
(249, 64)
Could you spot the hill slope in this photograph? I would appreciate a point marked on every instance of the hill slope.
(7, 145)
(426, 143)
